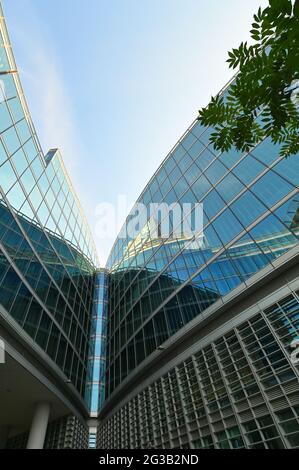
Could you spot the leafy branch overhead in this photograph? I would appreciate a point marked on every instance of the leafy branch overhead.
(263, 99)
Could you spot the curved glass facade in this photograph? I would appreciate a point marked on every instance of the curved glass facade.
(47, 258)
(236, 385)
(157, 285)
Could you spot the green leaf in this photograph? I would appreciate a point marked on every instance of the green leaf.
(256, 37)
(281, 6)
(261, 88)
(255, 31)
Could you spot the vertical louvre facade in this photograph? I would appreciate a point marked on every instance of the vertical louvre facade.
(238, 391)
(65, 433)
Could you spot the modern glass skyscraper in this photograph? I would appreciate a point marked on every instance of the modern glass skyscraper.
(180, 342)
(199, 334)
(48, 268)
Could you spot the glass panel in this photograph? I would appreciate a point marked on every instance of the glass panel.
(247, 208)
(271, 188)
(227, 226)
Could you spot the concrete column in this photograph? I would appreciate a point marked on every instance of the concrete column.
(39, 426)
(4, 431)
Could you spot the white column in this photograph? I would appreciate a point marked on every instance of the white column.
(4, 431)
(39, 426)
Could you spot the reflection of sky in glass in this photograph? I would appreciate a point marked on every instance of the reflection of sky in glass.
(250, 219)
(48, 258)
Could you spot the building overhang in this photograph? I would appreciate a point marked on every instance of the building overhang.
(28, 376)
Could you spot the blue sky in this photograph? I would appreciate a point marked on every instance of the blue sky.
(114, 83)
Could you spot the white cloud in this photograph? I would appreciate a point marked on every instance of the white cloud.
(52, 103)
(46, 92)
